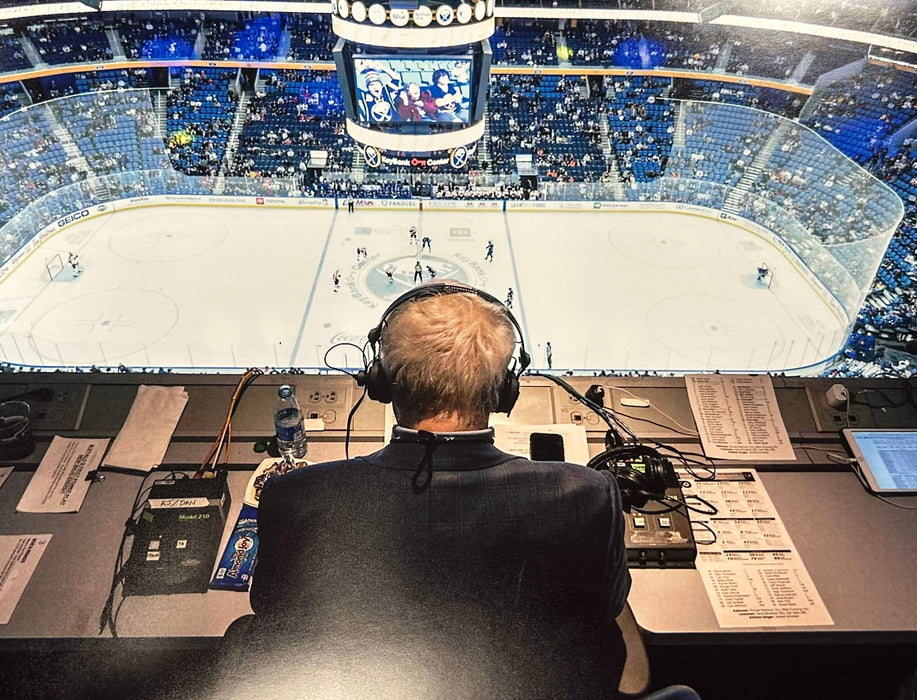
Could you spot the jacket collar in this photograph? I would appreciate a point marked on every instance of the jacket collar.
(464, 451)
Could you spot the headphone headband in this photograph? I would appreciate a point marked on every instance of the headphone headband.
(377, 383)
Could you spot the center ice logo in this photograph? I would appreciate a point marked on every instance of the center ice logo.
(393, 277)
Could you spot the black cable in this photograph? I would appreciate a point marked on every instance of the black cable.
(657, 424)
(341, 369)
(711, 509)
(707, 528)
(687, 459)
(353, 376)
(889, 403)
(109, 614)
(608, 415)
(350, 416)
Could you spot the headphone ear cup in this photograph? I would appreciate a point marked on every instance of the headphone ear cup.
(378, 386)
(508, 394)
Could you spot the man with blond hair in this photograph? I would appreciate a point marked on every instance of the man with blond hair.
(439, 565)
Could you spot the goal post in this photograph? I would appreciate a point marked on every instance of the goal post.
(54, 266)
(765, 275)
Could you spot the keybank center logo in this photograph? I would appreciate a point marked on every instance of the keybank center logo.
(388, 278)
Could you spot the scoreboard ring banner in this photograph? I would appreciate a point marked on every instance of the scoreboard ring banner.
(411, 37)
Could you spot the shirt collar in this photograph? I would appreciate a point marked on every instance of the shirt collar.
(462, 451)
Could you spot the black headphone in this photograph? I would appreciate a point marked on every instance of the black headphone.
(637, 486)
(379, 386)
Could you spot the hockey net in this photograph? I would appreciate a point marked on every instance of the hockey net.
(54, 266)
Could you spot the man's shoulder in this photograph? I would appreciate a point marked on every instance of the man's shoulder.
(313, 473)
(565, 471)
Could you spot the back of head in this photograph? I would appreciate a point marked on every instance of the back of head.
(447, 355)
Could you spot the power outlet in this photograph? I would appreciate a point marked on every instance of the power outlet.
(829, 419)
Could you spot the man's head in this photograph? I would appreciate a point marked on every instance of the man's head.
(374, 83)
(440, 77)
(447, 357)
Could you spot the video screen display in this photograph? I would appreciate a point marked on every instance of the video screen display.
(405, 89)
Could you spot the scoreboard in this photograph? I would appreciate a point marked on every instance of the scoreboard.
(414, 76)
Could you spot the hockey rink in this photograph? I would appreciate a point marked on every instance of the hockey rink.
(194, 287)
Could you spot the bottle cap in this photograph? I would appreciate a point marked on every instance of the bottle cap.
(285, 391)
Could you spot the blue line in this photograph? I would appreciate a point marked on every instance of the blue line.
(305, 315)
(520, 317)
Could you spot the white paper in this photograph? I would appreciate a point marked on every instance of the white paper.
(753, 575)
(19, 555)
(515, 439)
(738, 417)
(144, 438)
(4, 474)
(59, 484)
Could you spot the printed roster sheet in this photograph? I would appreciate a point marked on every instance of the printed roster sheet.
(738, 417)
(753, 575)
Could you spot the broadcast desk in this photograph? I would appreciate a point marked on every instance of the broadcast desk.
(859, 551)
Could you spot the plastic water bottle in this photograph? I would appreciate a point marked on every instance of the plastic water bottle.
(288, 424)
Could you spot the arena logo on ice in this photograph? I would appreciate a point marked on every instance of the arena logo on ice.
(384, 280)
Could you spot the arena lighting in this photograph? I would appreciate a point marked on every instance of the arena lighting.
(640, 53)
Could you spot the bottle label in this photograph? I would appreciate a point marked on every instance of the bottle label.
(289, 425)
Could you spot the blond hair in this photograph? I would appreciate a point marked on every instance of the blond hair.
(447, 355)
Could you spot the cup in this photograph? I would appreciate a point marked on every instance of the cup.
(16, 439)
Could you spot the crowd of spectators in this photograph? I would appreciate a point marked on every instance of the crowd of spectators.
(552, 118)
(76, 39)
(292, 114)
(253, 39)
(632, 44)
(641, 125)
(116, 130)
(10, 98)
(571, 126)
(311, 38)
(525, 42)
(12, 55)
(201, 110)
(858, 114)
(160, 35)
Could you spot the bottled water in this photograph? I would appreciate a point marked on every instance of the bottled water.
(288, 424)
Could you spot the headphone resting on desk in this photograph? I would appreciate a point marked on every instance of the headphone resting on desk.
(636, 486)
(379, 385)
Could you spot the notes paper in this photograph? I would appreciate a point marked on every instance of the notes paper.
(142, 442)
(59, 484)
(19, 555)
(738, 417)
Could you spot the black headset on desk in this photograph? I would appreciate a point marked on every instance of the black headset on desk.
(379, 385)
(637, 487)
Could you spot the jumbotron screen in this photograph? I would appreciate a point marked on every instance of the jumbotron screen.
(402, 89)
